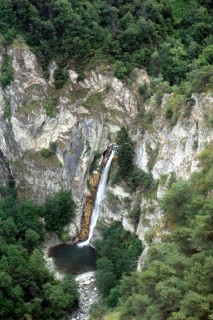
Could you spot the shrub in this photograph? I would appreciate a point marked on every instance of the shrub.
(45, 152)
(120, 70)
(59, 210)
(138, 178)
(144, 119)
(201, 78)
(124, 152)
(7, 109)
(143, 88)
(6, 76)
(49, 106)
(94, 102)
(97, 155)
(61, 76)
(135, 215)
(52, 147)
(117, 253)
(168, 113)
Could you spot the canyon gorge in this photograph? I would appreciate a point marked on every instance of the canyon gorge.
(82, 120)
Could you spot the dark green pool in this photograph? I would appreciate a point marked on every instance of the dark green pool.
(72, 259)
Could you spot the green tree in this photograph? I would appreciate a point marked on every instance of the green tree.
(58, 211)
(105, 276)
(176, 201)
(6, 76)
(31, 239)
(124, 152)
(67, 292)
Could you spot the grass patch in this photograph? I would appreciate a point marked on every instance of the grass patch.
(78, 94)
(113, 316)
(26, 109)
(175, 106)
(6, 74)
(203, 180)
(114, 113)
(50, 162)
(144, 119)
(162, 180)
(152, 154)
(208, 116)
(95, 103)
(50, 105)
(19, 43)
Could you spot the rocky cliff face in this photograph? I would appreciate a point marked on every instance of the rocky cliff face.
(80, 118)
(171, 152)
(83, 117)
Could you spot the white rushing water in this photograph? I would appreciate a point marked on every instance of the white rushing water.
(99, 198)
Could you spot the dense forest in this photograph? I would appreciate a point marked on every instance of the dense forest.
(27, 289)
(171, 39)
(176, 281)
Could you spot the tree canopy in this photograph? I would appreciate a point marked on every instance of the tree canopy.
(168, 38)
(27, 289)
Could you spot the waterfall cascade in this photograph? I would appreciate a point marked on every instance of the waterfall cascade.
(99, 198)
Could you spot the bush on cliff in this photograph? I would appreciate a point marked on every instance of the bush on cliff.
(58, 211)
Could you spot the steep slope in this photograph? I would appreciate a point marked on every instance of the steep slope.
(79, 119)
(83, 117)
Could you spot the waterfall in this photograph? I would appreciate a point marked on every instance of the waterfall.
(99, 198)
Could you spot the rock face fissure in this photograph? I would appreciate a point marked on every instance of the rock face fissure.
(99, 198)
(6, 165)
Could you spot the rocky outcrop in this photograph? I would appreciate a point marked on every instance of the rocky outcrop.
(80, 118)
(83, 117)
(88, 295)
(171, 152)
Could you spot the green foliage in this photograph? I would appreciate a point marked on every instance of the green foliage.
(133, 177)
(201, 79)
(61, 76)
(52, 147)
(105, 276)
(58, 211)
(138, 178)
(45, 153)
(167, 38)
(117, 254)
(6, 75)
(97, 155)
(124, 152)
(175, 106)
(49, 106)
(120, 70)
(47, 160)
(144, 119)
(153, 154)
(143, 88)
(175, 203)
(135, 215)
(27, 289)
(176, 281)
(7, 110)
(95, 103)
(203, 180)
